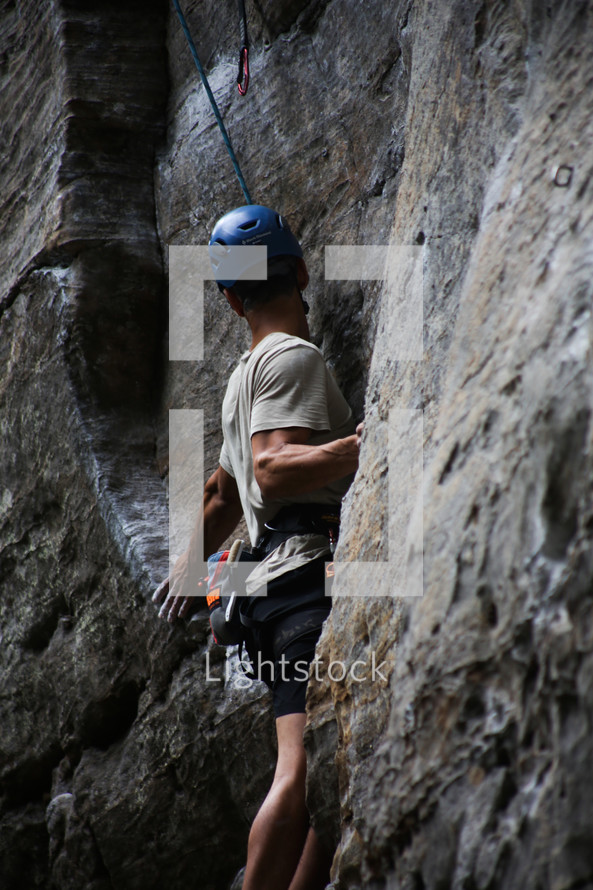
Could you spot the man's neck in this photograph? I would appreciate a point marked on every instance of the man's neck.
(278, 317)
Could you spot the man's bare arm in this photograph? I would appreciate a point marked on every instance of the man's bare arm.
(285, 465)
(222, 509)
(220, 513)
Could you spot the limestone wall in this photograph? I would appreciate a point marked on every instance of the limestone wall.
(460, 128)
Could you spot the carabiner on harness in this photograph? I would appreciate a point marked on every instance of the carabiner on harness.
(243, 76)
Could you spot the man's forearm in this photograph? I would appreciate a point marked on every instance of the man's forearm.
(220, 513)
(216, 521)
(290, 469)
(220, 520)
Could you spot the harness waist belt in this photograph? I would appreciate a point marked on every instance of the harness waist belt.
(299, 519)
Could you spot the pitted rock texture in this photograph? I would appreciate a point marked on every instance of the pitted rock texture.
(461, 128)
(471, 780)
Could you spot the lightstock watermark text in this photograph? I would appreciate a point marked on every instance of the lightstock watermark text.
(360, 671)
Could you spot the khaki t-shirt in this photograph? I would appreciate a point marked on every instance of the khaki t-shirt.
(283, 382)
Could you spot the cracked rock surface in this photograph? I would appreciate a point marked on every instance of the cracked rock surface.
(456, 750)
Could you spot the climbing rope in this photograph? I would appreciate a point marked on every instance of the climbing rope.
(210, 95)
(243, 75)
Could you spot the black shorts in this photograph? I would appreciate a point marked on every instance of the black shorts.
(287, 625)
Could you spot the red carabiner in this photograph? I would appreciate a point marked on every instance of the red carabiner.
(243, 78)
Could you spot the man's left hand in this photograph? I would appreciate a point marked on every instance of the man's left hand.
(221, 511)
(172, 593)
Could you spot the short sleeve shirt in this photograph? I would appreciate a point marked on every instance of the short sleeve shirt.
(283, 382)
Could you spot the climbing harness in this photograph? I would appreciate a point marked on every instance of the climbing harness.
(299, 519)
(210, 95)
(227, 600)
(243, 75)
(225, 593)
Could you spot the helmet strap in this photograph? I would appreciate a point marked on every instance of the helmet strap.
(305, 304)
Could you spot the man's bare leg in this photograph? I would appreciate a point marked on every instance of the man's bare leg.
(314, 866)
(279, 831)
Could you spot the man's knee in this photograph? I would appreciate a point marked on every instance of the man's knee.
(291, 767)
(292, 771)
(288, 798)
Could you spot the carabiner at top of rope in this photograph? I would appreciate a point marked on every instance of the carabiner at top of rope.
(243, 76)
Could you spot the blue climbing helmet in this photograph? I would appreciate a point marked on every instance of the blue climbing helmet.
(252, 225)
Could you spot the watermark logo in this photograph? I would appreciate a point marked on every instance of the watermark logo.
(400, 268)
(369, 670)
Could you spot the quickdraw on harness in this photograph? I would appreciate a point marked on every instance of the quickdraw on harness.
(242, 84)
(224, 594)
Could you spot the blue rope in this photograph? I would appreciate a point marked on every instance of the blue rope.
(217, 114)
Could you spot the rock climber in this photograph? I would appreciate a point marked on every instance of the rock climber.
(289, 451)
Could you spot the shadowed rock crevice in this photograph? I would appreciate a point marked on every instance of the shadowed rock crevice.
(38, 636)
(109, 720)
(31, 779)
(561, 501)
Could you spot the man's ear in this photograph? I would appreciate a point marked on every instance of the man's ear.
(234, 301)
(302, 273)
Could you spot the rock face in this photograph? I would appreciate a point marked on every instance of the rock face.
(477, 774)
(462, 129)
